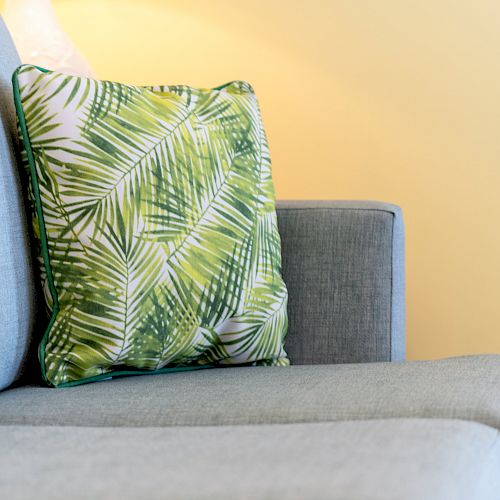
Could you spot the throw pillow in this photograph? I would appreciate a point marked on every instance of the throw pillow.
(154, 209)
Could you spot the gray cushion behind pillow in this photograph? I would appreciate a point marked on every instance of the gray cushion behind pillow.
(17, 298)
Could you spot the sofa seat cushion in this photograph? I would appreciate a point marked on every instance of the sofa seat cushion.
(465, 388)
(413, 459)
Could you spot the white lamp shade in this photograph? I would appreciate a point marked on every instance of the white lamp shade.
(39, 38)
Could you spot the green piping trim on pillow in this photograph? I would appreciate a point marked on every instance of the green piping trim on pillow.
(39, 213)
(46, 260)
(129, 373)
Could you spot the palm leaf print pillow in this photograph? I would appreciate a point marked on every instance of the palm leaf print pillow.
(155, 216)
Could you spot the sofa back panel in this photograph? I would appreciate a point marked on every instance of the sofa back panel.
(17, 296)
(343, 264)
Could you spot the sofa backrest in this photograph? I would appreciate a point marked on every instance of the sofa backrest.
(17, 296)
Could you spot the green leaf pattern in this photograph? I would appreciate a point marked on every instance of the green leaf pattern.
(162, 246)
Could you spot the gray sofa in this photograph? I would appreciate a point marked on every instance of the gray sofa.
(348, 420)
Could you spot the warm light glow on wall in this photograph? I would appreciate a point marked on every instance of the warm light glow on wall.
(396, 101)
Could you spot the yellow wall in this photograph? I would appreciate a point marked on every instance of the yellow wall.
(395, 100)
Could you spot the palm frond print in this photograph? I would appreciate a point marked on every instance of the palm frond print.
(156, 218)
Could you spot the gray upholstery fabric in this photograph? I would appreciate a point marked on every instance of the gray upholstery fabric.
(377, 460)
(343, 263)
(465, 388)
(17, 303)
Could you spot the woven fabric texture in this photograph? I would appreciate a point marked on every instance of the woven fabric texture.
(17, 302)
(343, 263)
(376, 460)
(463, 388)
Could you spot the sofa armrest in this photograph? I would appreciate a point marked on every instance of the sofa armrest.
(343, 263)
